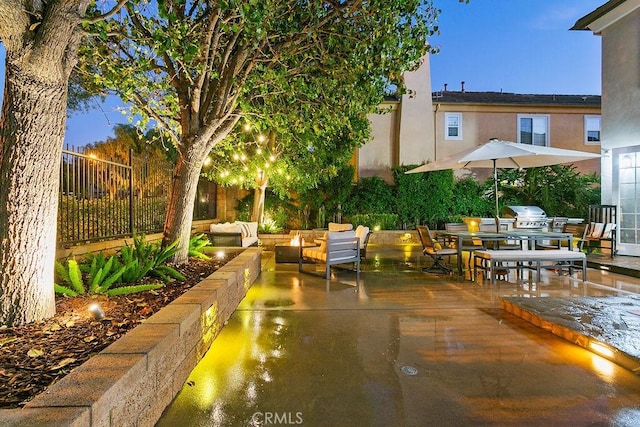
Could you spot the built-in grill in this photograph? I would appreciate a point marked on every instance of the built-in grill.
(526, 217)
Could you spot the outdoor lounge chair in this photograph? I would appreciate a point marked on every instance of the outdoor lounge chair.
(436, 250)
(363, 233)
(337, 247)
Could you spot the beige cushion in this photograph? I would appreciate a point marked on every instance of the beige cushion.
(608, 229)
(249, 229)
(315, 253)
(334, 226)
(362, 232)
(595, 232)
(225, 228)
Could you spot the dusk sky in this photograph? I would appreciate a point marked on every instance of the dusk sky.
(515, 46)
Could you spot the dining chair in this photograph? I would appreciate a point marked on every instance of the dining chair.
(468, 245)
(504, 244)
(436, 250)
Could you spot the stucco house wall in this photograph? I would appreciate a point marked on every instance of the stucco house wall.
(618, 24)
(412, 129)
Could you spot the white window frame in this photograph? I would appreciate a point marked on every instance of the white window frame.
(547, 118)
(587, 120)
(446, 126)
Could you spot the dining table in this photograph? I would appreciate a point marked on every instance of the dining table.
(527, 238)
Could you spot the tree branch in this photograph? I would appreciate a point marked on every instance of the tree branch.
(107, 15)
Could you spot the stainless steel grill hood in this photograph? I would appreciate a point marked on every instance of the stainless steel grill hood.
(530, 217)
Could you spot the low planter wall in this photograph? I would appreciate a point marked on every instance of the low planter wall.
(133, 380)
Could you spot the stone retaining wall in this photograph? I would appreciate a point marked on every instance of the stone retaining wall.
(132, 381)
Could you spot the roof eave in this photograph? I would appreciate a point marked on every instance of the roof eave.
(605, 15)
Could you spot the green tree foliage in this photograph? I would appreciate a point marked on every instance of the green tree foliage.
(285, 162)
(196, 68)
(560, 190)
(148, 148)
(331, 193)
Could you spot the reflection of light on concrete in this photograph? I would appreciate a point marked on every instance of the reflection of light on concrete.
(217, 416)
(376, 261)
(276, 353)
(266, 377)
(406, 252)
(252, 392)
(601, 349)
(362, 293)
(603, 366)
(257, 323)
(279, 321)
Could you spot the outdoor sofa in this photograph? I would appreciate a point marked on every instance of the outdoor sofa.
(237, 233)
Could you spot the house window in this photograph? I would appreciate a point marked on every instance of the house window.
(533, 129)
(453, 125)
(592, 130)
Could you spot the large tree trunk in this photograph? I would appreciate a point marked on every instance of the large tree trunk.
(32, 127)
(198, 140)
(258, 198)
(179, 217)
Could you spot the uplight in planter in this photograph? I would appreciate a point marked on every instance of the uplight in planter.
(96, 311)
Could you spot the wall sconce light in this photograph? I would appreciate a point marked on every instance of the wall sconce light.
(96, 311)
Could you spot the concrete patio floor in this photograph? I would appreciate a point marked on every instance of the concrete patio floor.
(399, 347)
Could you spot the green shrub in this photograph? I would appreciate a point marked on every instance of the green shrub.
(560, 190)
(98, 279)
(269, 226)
(370, 196)
(196, 244)
(469, 200)
(99, 275)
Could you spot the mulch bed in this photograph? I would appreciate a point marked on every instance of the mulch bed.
(35, 356)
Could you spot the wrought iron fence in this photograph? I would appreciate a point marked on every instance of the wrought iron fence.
(103, 199)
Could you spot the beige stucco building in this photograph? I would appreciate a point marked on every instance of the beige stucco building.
(618, 24)
(428, 126)
(400, 133)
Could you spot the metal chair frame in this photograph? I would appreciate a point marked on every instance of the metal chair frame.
(429, 249)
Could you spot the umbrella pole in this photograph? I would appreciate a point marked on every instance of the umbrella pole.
(495, 187)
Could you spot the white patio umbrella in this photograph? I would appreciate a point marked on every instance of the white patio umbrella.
(504, 154)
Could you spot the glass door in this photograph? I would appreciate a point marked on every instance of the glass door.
(629, 201)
